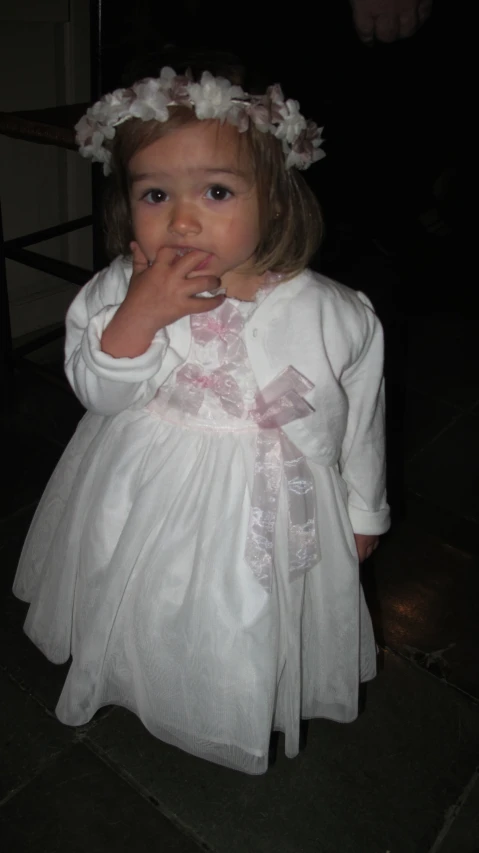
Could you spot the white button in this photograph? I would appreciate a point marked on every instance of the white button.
(255, 332)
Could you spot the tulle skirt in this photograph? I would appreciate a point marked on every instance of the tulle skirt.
(134, 566)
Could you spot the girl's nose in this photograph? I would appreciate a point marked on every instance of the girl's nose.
(184, 220)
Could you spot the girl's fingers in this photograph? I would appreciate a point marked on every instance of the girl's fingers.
(206, 303)
(191, 261)
(200, 285)
(173, 270)
(182, 265)
(139, 259)
(165, 257)
(370, 549)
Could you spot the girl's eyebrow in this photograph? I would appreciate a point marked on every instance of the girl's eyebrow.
(216, 170)
(221, 170)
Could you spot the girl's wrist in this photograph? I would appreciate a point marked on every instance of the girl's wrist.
(128, 335)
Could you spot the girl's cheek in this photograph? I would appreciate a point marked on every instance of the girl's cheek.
(229, 224)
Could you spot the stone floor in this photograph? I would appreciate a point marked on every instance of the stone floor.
(404, 777)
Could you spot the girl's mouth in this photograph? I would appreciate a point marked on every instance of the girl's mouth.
(185, 250)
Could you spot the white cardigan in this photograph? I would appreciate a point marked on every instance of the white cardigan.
(327, 331)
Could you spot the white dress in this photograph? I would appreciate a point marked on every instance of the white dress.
(135, 566)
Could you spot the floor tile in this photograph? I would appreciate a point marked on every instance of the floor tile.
(78, 804)
(424, 597)
(445, 524)
(23, 661)
(463, 836)
(29, 737)
(447, 471)
(378, 784)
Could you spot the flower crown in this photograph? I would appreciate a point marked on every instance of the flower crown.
(211, 98)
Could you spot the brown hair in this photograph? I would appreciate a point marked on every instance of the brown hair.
(289, 214)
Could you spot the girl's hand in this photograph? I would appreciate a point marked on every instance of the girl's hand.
(163, 287)
(365, 545)
(158, 295)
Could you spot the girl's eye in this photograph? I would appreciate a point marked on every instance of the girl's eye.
(218, 193)
(154, 196)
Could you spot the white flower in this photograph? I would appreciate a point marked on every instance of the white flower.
(110, 108)
(306, 148)
(292, 124)
(84, 131)
(238, 116)
(167, 76)
(260, 113)
(275, 93)
(213, 96)
(101, 155)
(94, 149)
(303, 159)
(317, 154)
(150, 102)
(299, 161)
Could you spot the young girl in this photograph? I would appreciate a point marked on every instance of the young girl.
(196, 550)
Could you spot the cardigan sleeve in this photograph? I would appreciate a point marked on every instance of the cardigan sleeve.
(362, 459)
(104, 384)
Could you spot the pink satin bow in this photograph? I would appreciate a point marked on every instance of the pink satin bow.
(192, 383)
(225, 327)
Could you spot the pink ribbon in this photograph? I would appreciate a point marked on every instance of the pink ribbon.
(224, 326)
(280, 403)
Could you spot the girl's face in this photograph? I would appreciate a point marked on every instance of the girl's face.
(194, 189)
